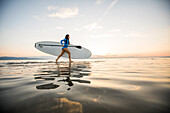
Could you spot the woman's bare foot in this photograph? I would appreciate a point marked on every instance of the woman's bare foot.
(56, 60)
(70, 61)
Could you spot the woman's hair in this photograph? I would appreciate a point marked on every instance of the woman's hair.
(66, 37)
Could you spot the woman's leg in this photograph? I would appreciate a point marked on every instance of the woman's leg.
(69, 54)
(60, 55)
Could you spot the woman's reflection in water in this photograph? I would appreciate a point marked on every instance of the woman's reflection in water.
(70, 83)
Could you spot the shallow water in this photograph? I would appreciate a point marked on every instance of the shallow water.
(118, 85)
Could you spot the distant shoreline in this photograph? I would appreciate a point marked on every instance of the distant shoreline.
(93, 57)
(100, 56)
(20, 58)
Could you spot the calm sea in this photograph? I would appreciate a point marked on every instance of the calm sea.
(117, 85)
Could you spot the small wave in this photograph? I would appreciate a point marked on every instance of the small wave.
(9, 63)
(45, 78)
(47, 86)
(1, 65)
(131, 72)
(10, 78)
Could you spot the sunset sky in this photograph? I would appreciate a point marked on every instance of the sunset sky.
(106, 27)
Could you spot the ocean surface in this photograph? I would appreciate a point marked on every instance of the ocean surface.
(115, 85)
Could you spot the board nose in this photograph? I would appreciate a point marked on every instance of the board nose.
(35, 45)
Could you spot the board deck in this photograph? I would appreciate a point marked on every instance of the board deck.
(55, 48)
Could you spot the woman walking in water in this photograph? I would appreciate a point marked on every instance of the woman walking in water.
(64, 48)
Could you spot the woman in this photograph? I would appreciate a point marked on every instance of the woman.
(64, 48)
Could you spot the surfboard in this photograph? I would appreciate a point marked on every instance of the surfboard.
(55, 48)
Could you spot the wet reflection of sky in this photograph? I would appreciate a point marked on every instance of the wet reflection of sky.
(91, 86)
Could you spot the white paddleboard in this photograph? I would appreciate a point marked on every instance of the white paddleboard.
(55, 48)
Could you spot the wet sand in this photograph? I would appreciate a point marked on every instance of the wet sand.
(118, 85)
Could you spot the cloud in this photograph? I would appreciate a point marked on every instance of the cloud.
(65, 13)
(92, 26)
(77, 29)
(136, 35)
(99, 2)
(59, 28)
(101, 36)
(89, 27)
(50, 8)
(114, 30)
